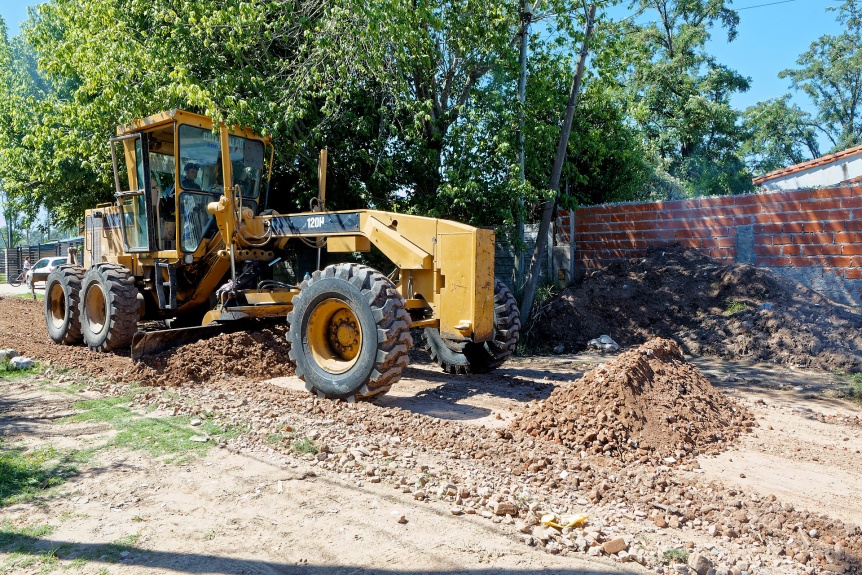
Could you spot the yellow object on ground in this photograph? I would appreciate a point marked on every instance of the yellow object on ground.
(563, 521)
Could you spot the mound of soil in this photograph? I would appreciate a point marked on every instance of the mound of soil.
(648, 401)
(728, 310)
(253, 355)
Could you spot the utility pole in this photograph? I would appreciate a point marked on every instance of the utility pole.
(526, 18)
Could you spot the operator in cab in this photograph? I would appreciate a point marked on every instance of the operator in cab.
(190, 174)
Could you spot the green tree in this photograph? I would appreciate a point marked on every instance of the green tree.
(378, 83)
(780, 134)
(680, 95)
(830, 73)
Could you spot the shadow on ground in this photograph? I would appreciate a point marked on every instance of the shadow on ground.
(129, 555)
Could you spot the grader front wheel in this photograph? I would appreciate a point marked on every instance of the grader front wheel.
(108, 308)
(349, 333)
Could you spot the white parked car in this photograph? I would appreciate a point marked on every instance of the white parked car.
(40, 270)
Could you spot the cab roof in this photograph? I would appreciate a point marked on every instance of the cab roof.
(182, 117)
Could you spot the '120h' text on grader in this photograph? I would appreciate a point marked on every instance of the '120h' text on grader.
(190, 242)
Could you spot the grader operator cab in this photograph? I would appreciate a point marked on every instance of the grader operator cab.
(190, 242)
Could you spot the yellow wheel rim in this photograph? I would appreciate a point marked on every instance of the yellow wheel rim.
(334, 336)
(57, 300)
(96, 309)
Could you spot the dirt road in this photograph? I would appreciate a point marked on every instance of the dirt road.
(427, 479)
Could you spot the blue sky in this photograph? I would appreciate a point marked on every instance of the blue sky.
(770, 39)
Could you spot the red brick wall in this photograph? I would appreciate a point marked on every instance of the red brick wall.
(805, 228)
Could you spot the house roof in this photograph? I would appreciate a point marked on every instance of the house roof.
(821, 161)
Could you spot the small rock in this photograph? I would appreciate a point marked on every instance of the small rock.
(198, 439)
(624, 556)
(614, 546)
(7, 354)
(457, 510)
(21, 362)
(195, 422)
(604, 344)
(540, 534)
(560, 348)
(699, 563)
(505, 508)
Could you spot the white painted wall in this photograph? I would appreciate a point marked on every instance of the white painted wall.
(831, 174)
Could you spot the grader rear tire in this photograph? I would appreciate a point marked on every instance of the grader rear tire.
(62, 300)
(109, 308)
(459, 357)
(349, 333)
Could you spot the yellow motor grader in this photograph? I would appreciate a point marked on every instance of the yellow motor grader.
(190, 241)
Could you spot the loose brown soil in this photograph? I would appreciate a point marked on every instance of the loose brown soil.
(254, 356)
(251, 356)
(450, 455)
(648, 401)
(727, 310)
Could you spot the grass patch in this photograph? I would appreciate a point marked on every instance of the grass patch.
(276, 438)
(156, 436)
(111, 552)
(305, 445)
(160, 436)
(27, 474)
(734, 307)
(28, 295)
(21, 545)
(8, 372)
(675, 556)
(856, 386)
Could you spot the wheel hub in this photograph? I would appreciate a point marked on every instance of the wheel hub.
(334, 336)
(344, 334)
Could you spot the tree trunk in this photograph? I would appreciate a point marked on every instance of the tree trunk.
(526, 17)
(532, 280)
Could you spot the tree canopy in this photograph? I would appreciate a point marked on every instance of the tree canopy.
(416, 101)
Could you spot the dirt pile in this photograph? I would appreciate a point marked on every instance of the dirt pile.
(648, 401)
(727, 310)
(253, 355)
(22, 328)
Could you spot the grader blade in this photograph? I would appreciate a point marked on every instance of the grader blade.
(152, 342)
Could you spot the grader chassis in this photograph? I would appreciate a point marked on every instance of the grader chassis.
(185, 252)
